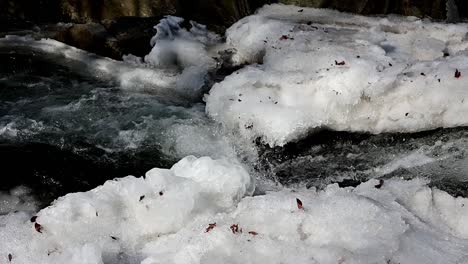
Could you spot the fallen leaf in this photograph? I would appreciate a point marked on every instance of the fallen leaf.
(253, 233)
(299, 204)
(300, 10)
(381, 182)
(235, 229)
(161, 193)
(457, 74)
(210, 227)
(114, 238)
(340, 63)
(33, 219)
(142, 197)
(38, 227)
(10, 257)
(284, 37)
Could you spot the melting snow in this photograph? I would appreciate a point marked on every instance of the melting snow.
(321, 69)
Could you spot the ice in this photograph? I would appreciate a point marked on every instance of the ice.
(321, 69)
(176, 47)
(201, 211)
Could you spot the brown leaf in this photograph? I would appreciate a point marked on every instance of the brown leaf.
(457, 74)
(38, 227)
(284, 37)
(340, 63)
(33, 219)
(10, 257)
(161, 193)
(253, 233)
(235, 229)
(210, 227)
(299, 204)
(381, 182)
(142, 197)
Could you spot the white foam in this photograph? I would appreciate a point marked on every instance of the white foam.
(388, 80)
(17, 199)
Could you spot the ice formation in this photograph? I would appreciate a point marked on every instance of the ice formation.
(200, 211)
(321, 69)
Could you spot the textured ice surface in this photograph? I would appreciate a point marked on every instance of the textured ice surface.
(324, 69)
(200, 212)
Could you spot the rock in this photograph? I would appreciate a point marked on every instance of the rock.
(97, 10)
(420, 8)
(111, 38)
(218, 14)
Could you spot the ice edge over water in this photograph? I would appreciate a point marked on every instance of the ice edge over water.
(196, 213)
(321, 69)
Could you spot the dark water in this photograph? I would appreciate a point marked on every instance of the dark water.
(62, 130)
(350, 158)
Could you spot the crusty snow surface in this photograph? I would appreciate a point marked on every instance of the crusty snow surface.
(196, 213)
(310, 69)
(321, 69)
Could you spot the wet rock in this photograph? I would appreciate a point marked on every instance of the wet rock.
(89, 37)
(110, 38)
(98, 10)
(432, 8)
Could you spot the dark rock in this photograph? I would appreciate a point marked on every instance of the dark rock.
(431, 8)
(111, 38)
(98, 10)
(89, 37)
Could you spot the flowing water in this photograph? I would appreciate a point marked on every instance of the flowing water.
(64, 130)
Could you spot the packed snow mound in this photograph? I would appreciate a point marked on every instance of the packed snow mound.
(321, 69)
(198, 212)
(110, 223)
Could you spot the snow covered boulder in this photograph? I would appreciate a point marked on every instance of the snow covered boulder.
(321, 69)
(110, 223)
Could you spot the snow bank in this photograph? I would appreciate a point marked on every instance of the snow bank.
(110, 223)
(196, 213)
(324, 69)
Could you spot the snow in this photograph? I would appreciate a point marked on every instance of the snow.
(166, 217)
(321, 69)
